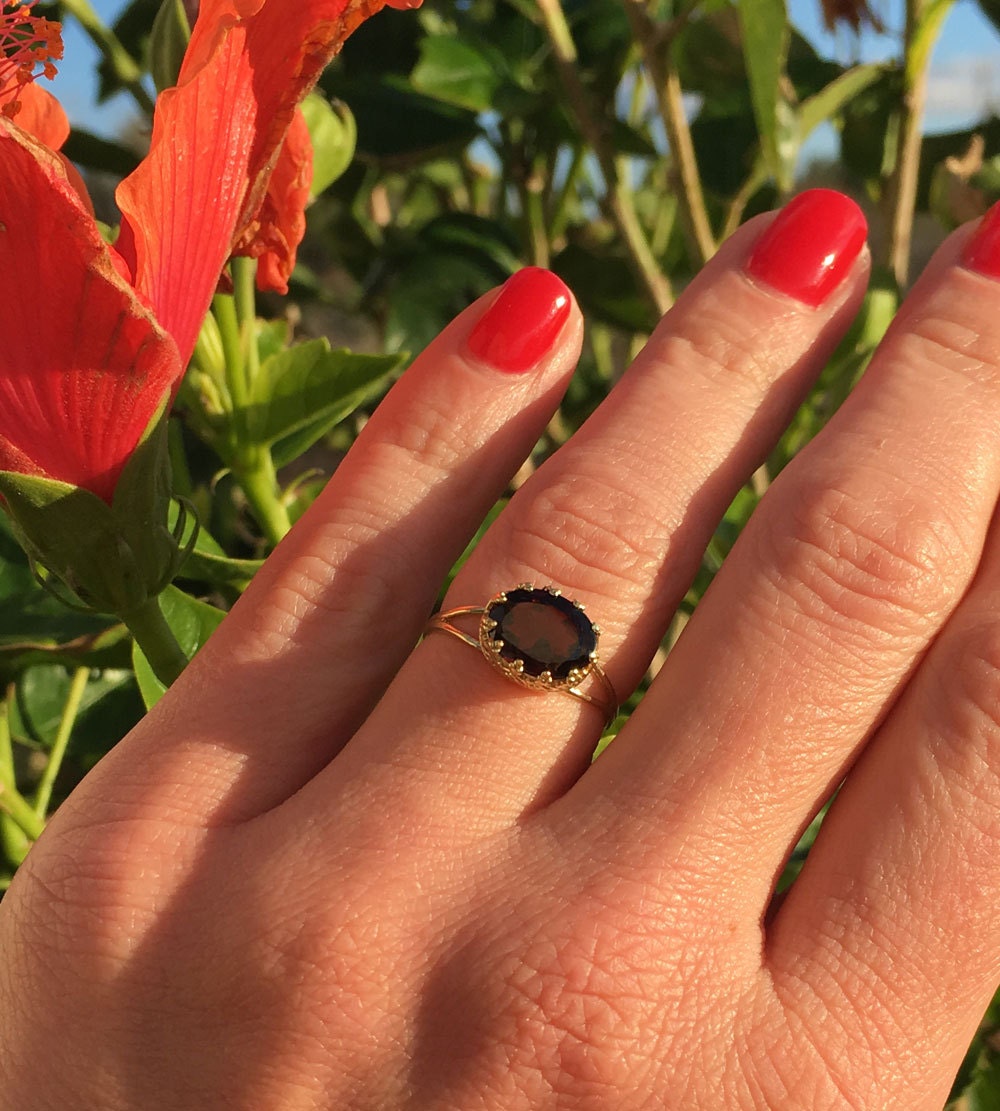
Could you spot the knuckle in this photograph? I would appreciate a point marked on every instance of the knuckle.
(845, 559)
(723, 346)
(572, 533)
(713, 353)
(425, 435)
(331, 581)
(956, 343)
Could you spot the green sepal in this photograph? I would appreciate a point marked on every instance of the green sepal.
(167, 43)
(112, 558)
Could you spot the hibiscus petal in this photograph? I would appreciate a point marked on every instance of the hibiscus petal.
(215, 140)
(273, 236)
(83, 366)
(42, 115)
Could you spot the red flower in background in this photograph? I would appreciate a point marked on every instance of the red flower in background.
(98, 336)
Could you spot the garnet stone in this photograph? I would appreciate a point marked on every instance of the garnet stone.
(538, 637)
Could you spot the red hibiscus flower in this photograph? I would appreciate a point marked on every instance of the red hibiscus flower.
(99, 336)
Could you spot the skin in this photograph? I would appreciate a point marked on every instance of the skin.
(334, 871)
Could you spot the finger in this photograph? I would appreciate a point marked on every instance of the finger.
(618, 517)
(309, 648)
(850, 566)
(894, 914)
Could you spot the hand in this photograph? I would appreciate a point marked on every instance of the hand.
(332, 870)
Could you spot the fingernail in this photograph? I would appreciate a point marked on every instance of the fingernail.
(811, 246)
(982, 252)
(523, 322)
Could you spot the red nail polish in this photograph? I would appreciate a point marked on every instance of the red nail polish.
(982, 252)
(523, 322)
(811, 246)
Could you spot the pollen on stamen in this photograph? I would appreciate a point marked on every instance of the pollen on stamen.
(30, 46)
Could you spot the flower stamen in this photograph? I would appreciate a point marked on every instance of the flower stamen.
(30, 45)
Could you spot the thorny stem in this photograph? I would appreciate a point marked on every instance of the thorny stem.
(619, 200)
(667, 86)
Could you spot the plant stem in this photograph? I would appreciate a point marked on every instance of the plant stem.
(619, 200)
(124, 66)
(253, 465)
(902, 187)
(258, 480)
(560, 215)
(43, 793)
(17, 807)
(245, 295)
(224, 311)
(667, 86)
(154, 636)
(12, 836)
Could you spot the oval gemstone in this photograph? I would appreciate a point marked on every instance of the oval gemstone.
(545, 631)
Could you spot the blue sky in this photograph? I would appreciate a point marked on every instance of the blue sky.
(965, 74)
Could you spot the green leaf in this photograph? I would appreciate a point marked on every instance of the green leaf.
(334, 136)
(207, 561)
(829, 101)
(95, 153)
(928, 28)
(219, 570)
(401, 127)
(302, 392)
(110, 707)
(192, 623)
(456, 71)
(167, 43)
(765, 33)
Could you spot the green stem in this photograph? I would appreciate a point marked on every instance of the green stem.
(619, 200)
(245, 294)
(43, 793)
(252, 464)
(13, 838)
(259, 481)
(560, 215)
(17, 807)
(124, 66)
(902, 192)
(662, 70)
(227, 318)
(154, 636)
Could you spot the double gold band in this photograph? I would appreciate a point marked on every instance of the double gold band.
(539, 639)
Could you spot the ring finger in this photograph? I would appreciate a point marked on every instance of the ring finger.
(616, 519)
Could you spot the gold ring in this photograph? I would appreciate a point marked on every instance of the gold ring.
(539, 639)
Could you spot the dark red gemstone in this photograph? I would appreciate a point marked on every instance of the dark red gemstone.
(545, 631)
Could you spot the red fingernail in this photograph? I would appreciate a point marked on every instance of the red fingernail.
(523, 322)
(982, 252)
(811, 246)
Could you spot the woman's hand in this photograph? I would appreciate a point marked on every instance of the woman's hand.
(336, 869)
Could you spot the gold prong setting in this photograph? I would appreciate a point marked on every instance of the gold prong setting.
(538, 637)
